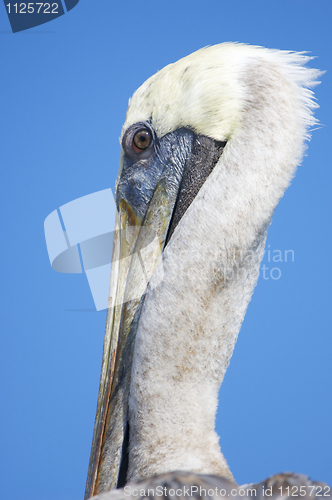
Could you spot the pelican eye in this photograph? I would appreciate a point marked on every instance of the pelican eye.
(142, 140)
(138, 141)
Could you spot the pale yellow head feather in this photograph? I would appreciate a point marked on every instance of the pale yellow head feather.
(206, 91)
(200, 91)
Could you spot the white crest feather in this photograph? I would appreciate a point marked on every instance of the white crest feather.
(205, 89)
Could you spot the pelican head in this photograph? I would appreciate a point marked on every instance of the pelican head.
(209, 145)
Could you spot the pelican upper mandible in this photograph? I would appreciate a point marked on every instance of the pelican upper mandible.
(209, 145)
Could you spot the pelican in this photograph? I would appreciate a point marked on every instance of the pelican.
(208, 148)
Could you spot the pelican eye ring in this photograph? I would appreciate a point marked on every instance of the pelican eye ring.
(142, 140)
(138, 141)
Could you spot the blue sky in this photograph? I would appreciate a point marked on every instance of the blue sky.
(64, 91)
